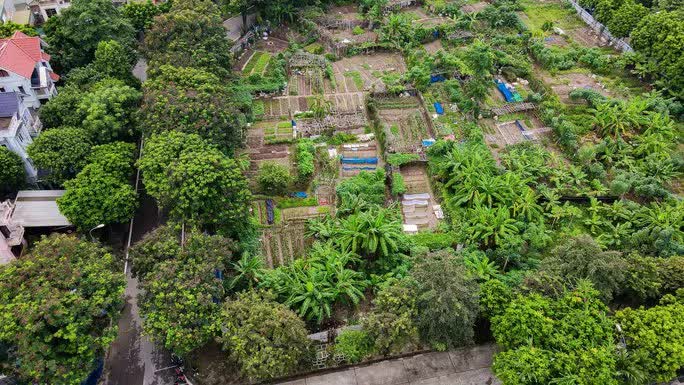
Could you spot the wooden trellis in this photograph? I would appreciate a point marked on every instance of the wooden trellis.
(338, 122)
(395, 5)
(513, 107)
(300, 60)
(331, 22)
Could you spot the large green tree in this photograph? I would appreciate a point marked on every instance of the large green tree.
(265, 337)
(195, 181)
(656, 336)
(555, 341)
(59, 307)
(60, 110)
(12, 173)
(657, 38)
(446, 300)
(107, 111)
(112, 60)
(101, 192)
(63, 152)
(73, 35)
(165, 243)
(191, 34)
(194, 101)
(391, 322)
(582, 258)
(180, 301)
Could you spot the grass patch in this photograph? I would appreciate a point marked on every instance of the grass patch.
(540, 13)
(257, 63)
(286, 203)
(355, 76)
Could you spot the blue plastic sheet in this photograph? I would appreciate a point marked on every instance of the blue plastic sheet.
(504, 90)
(428, 142)
(270, 214)
(520, 125)
(299, 194)
(438, 108)
(437, 78)
(360, 160)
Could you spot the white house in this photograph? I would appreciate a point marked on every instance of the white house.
(18, 126)
(7, 10)
(25, 68)
(36, 12)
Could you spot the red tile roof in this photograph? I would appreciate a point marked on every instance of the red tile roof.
(20, 53)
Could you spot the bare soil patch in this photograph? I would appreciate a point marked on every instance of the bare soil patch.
(563, 84)
(434, 46)
(420, 212)
(472, 8)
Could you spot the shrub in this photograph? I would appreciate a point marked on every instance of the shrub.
(355, 345)
(305, 160)
(12, 173)
(400, 159)
(266, 338)
(398, 185)
(358, 30)
(273, 178)
(390, 323)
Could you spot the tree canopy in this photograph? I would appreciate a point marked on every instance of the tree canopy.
(12, 174)
(63, 152)
(265, 337)
(195, 181)
(74, 34)
(194, 101)
(59, 307)
(101, 192)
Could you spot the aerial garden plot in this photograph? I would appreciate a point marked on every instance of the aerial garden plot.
(467, 160)
(368, 180)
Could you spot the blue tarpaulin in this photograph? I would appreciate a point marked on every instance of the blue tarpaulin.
(438, 108)
(435, 33)
(437, 78)
(299, 194)
(270, 215)
(504, 90)
(520, 125)
(428, 142)
(360, 160)
(294, 124)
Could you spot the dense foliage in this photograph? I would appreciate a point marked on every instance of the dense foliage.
(62, 152)
(195, 101)
(59, 309)
(195, 181)
(74, 34)
(266, 338)
(12, 174)
(101, 192)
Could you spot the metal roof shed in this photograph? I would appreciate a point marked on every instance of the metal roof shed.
(38, 208)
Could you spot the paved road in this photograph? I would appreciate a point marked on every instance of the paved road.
(460, 367)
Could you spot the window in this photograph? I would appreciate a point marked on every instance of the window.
(21, 89)
(4, 74)
(50, 12)
(2, 89)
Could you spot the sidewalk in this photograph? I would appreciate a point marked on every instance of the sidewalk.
(468, 366)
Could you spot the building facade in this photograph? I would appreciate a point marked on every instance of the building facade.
(25, 69)
(18, 126)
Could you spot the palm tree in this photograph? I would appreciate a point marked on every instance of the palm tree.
(248, 272)
(381, 233)
(526, 206)
(480, 265)
(490, 226)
